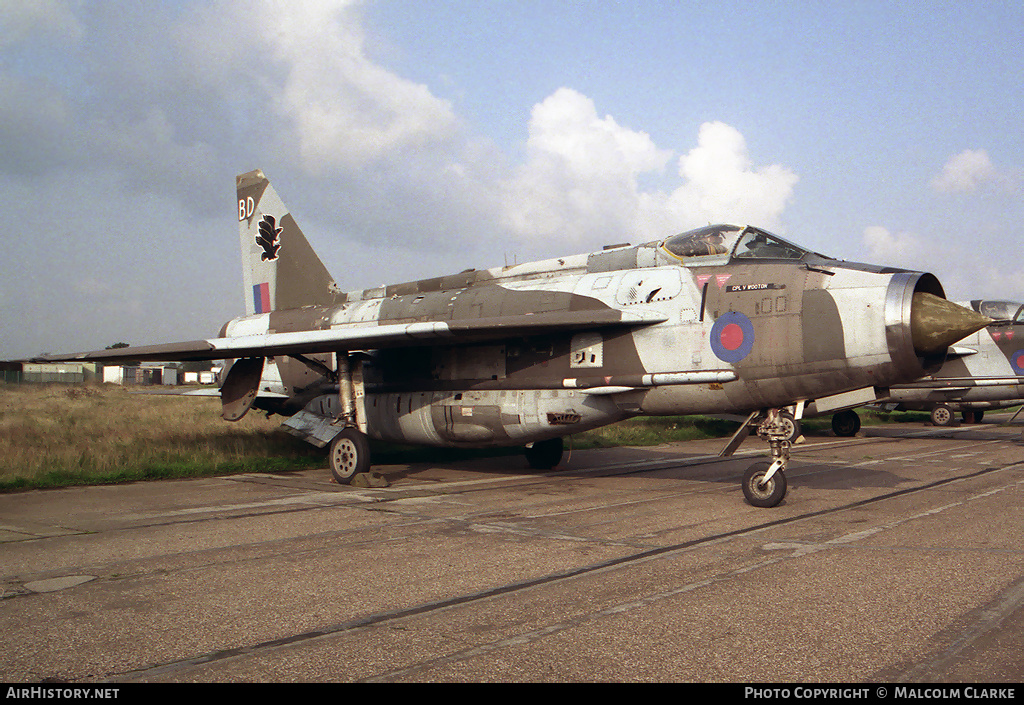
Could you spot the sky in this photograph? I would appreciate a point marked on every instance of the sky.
(417, 138)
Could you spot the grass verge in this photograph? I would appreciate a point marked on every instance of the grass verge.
(59, 435)
(64, 435)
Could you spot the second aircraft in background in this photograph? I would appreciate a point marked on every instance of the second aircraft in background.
(983, 371)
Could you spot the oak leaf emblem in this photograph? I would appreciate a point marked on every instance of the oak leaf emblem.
(268, 238)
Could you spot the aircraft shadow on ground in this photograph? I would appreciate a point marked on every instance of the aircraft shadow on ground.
(440, 465)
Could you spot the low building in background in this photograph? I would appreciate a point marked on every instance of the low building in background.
(144, 374)
(15, 372)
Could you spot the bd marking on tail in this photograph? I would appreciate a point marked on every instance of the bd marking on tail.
(246, 206)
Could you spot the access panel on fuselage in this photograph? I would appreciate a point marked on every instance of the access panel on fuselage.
(756, 317)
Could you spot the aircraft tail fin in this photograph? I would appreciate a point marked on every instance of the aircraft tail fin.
(279, 268)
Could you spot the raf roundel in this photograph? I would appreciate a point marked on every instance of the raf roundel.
(732, 337)
(1017, 362)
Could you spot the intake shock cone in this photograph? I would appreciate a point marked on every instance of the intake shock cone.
(936, 323)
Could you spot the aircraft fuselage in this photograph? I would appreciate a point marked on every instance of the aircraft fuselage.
(723, 339)
(722, 319)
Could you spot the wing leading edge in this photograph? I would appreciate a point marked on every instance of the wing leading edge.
(368, 337)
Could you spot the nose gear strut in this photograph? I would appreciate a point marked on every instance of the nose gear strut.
(764, 484)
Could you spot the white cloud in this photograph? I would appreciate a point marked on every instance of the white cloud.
(344, 115)
(581, 179)
(722, 185)
(152, 117)
(965, 172)
(566, 124)
(886, 246)
(345, 110)
(964, 266)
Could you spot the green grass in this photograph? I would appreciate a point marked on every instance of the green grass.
(57, 435)
(63, 435)
(654, 430)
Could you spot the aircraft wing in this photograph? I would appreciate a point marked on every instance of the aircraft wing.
(367, 337)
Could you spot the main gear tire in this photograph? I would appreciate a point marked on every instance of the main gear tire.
(545, 455)
(846, 423)
(792, 426)
(942, 415)
(349, 455)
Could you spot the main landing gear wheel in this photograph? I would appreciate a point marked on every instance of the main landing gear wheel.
(972, 416)
(760, 493)
(544, 455)
(349, 455)
(942, 415)
(790, 425)
(846, 423)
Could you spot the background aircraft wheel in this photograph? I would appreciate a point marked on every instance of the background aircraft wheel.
(544, 455)
(767, 496)
(349, 455)
(791, 425)
(972, 416)
(942, 415)
(846, 423)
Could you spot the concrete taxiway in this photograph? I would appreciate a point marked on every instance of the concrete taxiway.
(897, 556)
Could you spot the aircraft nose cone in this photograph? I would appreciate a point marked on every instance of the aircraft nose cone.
(936, 323)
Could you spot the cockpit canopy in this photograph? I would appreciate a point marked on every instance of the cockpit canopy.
(716, 243)
(1000, 310)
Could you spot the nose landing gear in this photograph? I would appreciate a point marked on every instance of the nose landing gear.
(762, 490)
(764, 483)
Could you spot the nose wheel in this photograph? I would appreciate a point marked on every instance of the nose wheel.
(759, 489)
(764, 483)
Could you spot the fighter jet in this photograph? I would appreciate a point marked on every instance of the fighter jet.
(723, 319)
(983, 371)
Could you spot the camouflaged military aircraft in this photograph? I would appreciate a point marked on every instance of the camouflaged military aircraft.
(723, 319)
(983, 371)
